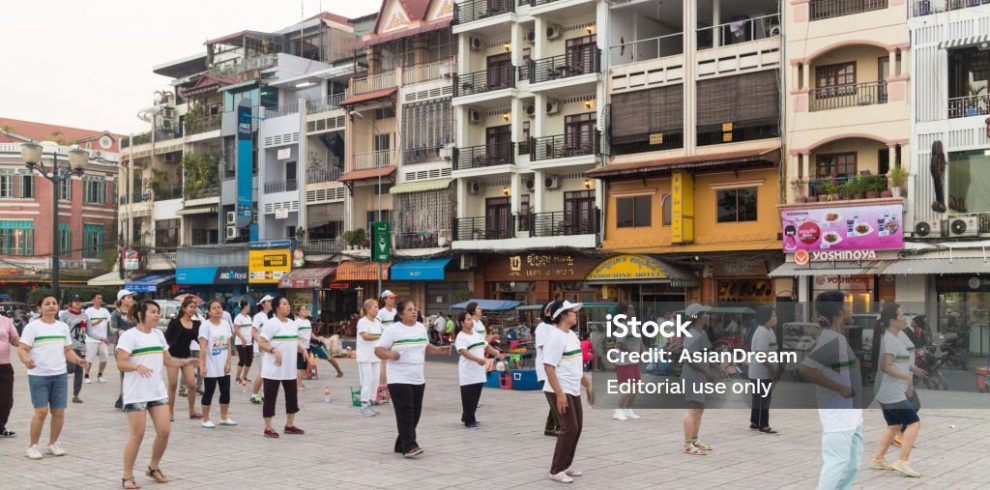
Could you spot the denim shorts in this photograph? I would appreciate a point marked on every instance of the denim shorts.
(901, 413)
(142, 406)
(49, 391)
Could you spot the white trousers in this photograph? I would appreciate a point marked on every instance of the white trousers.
(368, 373)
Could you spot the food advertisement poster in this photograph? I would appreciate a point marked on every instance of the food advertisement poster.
(879, 227)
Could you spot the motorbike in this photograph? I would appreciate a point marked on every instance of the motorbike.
(955, 351)
(932, 364)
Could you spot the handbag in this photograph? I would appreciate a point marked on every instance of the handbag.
(383, 395)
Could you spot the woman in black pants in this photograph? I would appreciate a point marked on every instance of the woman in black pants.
(214, 362)
(405, 344)
(472, 347)
(280, 339)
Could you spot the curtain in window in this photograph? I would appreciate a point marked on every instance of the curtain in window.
(427, 124)
(749, 97)
(429, 212)
(320, 214)
(635, 115)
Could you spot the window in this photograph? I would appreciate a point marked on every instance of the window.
(736, 205)
(579, 213)
(95, 188)
(167, 233)
(7, 185)
(65, 189)
(666, 208)
(373, 217)
(632, 118)
(750, 102)
(16, 237)
(579, 134)
(634, 212)
(427, 125)
(441, 45)
(93, 236)
(27, 186)
(969, 81)
(836, 79)
(836, 165)
(64, 240)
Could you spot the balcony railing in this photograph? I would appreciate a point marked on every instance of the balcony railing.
(567, 65)
(201, 193)
(326, 246)
(562, 146)
(739, 31)
(282, 110)
(479, 9)
(235, 70)
(327, 103)
(754, 129)
(561, 223)
(422, 239)
(428, 71)
(479, 82)
(852, 95)
(423, 155)
(202, 124)
(497, 227)
(827, 9)
(281, 186)
(647, 49)
(372, 83)
(375, 159)
(643, 142)
(160, 135)
(485, 155)
(972, 105)
(167, 194)
(320, 175)
(920, 8)
(135, 198)
(854, 187)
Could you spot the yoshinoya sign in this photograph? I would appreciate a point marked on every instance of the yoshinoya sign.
(803, 257)
(876, 227)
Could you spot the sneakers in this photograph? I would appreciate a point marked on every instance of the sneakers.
(562, 477)
(413, 453)
(4, 432)
(76, 399)
(87, 380)
(905, 469)
(631, 415)
(365, 411)
(33, 453)
(183, 392)
(573, 472)
(55, 449)
(101, 380)
(271, 434)
(228, 422)
(619, 415)
(473, 425)
(880, 464)
(255, 399)
(291, 429)
(209, 425)
(372, 408)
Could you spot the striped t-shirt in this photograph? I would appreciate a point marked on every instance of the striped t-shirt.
(284, 337)
(410, 342)
(148, 350)
(468, 371)
(47, 342)
(563, 352)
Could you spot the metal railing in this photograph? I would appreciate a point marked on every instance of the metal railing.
(846, 187)
(282, 110)
(647, 49)
(479, 9)
(202, 124)
(851, 95)
(135, 198)
(561, 223)
(422, 239)
(327, 103)
(428, 71)
(921, 8)
(242, 66)
(566, 65)
(160, 135)
(201, 193)
(562, 146)
(281, 186)
(480, 82)
(739, 31)
(423, 155)
(970, 105)
(324, 246)
(485, 228)
(372, 83)
(167, 194)
(328, 174)
(754, 129)
(484, 155)
(375, 159)
(828, 9)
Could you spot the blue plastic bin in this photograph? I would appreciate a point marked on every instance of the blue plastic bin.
(492, 381)
(525, 380)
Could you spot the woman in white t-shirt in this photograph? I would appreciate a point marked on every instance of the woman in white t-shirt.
(474, 310)
(540, 336)
(405, 345)
(471, 367)
(44, 349)
(305, 327)
(279, 340)
(214, 362)
(369, 330)
(243, 340)
(142, 354)
(257, 323)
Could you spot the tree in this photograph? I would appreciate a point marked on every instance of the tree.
(200, 172)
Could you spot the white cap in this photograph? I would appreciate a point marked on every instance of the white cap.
(565, 307)
(265, 298)
(695, 309)
(122, 293)
(386, 293)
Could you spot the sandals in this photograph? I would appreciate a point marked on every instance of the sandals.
(124, 481)
(700, 445)
(694, 450)
(157, 475)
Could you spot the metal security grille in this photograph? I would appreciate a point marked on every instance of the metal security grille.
(427, 124)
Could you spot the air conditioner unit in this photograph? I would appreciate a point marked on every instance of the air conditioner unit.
(555, 31)
(468, 262)
(474, 188)
(231, 218)
(476, 44)
(474, 116)
(232, 232)
(925, 229)
(530, 110)
(553, 106)
(552, 182)
(963, 226)
(447, 153)
(166, 124)
(168, 112)
(530, 184)
(531, 37)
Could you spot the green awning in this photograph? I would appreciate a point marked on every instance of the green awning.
(429, 185)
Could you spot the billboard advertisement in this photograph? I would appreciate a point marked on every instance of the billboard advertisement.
(245, 159)
(269, 262)
(211, 275)
(871, 227)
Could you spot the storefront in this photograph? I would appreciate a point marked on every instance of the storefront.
(964, 308)
(304, 286)
(209, 282)
(153, 285)
(654, 286)
(429, 283)
(354, 282)
(534, 278)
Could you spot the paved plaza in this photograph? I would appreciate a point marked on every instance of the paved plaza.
(344, 450)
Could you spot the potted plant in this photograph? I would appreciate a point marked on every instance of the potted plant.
(798, 186)
(830, 188)
(873, 187)
(973, 106)
(859, 187)
(847, 190)
(897, 176)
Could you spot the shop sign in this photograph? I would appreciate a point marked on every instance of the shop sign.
(131, 258)
(741, 268)
(628, 268)
(877, 227)
(961, 284)
(211, 275)
(656, 138)
(802, 257)
(682, 207)
(268, 262)
(844, 283)
(339, 285)
(538, 266)
(757, 291)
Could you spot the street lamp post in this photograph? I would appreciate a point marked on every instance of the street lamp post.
(31, 154)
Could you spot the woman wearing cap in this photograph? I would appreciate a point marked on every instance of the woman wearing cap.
(694, 375)
(182, 331)
(279, 340)
(244, 341)
(565, 376)
(405, 345)
(543, 331)
(471, 367)
(214, 362)
(264, 311)
(369, 330)
(76, 319)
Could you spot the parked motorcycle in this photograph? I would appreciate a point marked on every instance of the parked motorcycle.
(932, 364)
(955, 350)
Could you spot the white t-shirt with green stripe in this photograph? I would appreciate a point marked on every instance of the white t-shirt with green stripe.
(468, 371)
(283, 336)
(47, 342)
(305, 332)
(563, 352)
(242, 324)
(148, 350)
(410, 342)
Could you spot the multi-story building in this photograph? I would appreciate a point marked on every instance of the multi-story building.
(847, 68)
(693, 133)
(529, 94)
(86, 206)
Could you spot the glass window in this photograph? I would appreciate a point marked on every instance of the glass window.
(736, 205)
(167, 233)
(27, 186)
(7, 185)
(633, 212)
(16, 237)
(95, 189)
(835, 75)
(836, 165)
(64, 240)
(93, 239)
(969, 181)
(667, 209)
(65, 189)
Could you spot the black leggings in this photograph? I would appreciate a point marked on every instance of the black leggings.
(211, 384)
(407, 402)
(470, 394)
(271, 396)
(77, 377)
(245, 355)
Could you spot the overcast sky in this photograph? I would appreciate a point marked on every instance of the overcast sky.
(88, 63)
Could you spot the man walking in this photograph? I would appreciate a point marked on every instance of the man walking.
(76, 319)
(97, 340)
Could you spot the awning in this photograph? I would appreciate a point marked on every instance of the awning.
(108, 279)
(197, 210)
(764, 156)
(419, 270)
(640, 268)
(966, 41)
(429, 185)
(368, 97)
(488, 304)
(148, 284)
(969, 265)
(362, 271)
(369, 173)
(790, 269)
(392, 36)
(312, 278)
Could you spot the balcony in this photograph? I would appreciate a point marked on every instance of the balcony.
(134, 198)
(167, 194)
(739, 31)
(829, 9)
(243, 67)
(428, 71)
(281, 186)
(847, 188)
(921, 8)
(199, 125)
(972, 105)
(564, 66)
(485, 228)
(423, 155)
(562, 146)
(327, 103)
(473, 10)
(159, 135)
(423, 239)
(647, 49)
(561, 223)
(321, 175)
(375, 159)
(282, 110)
(201, 193)
(852, 95)
(483, 81)
(372, 83)
(754, 129)
(502, 153)
(327, 246)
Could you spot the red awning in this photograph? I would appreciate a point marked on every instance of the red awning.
(392, 36)
(369, 96)
(370, 173)
(766, 155)
(361, 271)
(312, 278)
